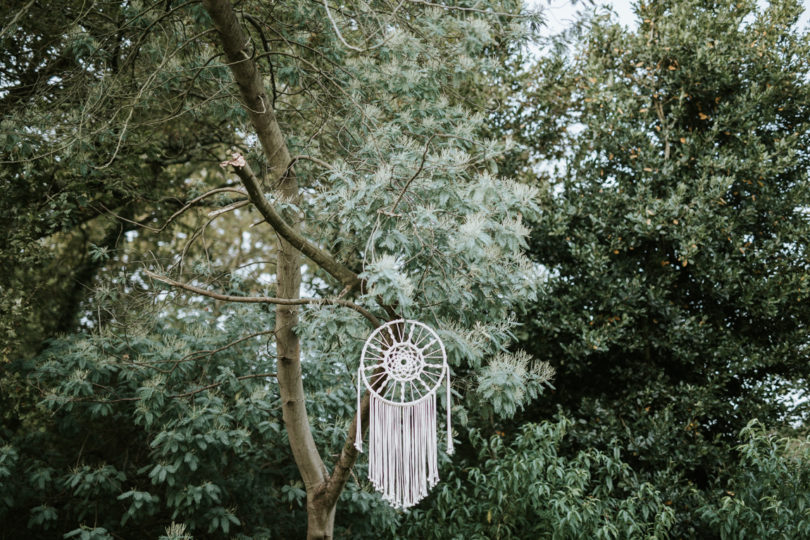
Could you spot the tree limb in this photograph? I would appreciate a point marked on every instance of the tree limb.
(295, 238)
(172, 396)
(214, 385)
(266, 299)
(17, 15)
(659, 109)
(177, 213)
(412, 178)
(196, 355)
(243, 67)
(320, 162)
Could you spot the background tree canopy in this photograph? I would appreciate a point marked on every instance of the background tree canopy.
(627, 208)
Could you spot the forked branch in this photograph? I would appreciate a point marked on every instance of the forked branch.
(295, 238)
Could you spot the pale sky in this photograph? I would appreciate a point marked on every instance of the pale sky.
(560, 13)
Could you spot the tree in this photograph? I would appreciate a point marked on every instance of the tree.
(675, 309)
(347, 132)
(69, 87)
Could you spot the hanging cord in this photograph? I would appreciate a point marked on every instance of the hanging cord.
(358, 439)
(369, 253)
(450, 448)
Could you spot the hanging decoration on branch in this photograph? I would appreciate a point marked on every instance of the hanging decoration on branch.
(403, 365)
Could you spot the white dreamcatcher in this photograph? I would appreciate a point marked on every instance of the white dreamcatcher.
(403, 364)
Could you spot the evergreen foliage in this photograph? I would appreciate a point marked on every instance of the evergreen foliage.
(170, 425)
(528, 489)
(675, 239)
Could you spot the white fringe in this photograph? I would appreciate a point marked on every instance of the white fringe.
(402, 449)
(358, 438)
(402, 462)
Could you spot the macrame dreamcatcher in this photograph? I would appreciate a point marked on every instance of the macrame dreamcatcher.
(403, 364)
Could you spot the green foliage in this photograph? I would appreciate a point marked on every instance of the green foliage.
(148, 429)
(527, 488)
(674, 237)
(768, 494)
(76, 168)
(508, 382)
(127, 407)
(669, 233)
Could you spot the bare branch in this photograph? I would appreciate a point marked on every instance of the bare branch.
(267, 299)
(176, 214)
(229, 208)
(659, 109)
(172, 396)
(17, 15)
(196, 355)
(468, 9)
(214, 385)
(320, 162)
(340, 36)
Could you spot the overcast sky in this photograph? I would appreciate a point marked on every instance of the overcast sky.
(560, 13)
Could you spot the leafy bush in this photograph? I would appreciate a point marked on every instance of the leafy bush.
(526, 488)
(768, 493)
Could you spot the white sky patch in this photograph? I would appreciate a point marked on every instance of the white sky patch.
(560, 14)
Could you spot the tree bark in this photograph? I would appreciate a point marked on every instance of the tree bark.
(320, 519)
(280, 225)
(288, 265)
(322, 489)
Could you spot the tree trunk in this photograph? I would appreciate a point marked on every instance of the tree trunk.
(322, 490)
(320, 519)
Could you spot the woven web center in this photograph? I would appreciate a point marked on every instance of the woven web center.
(404, 362)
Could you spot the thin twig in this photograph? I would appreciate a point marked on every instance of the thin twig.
(320, 162)
(214, 385)
(298, 158)
(17, 15)
(176, 214)
(340, 36)
(196, 355)
(173, 396)
(659, 109)
(229, 208)
(474, 10)
(411, 179)
(252, 20)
